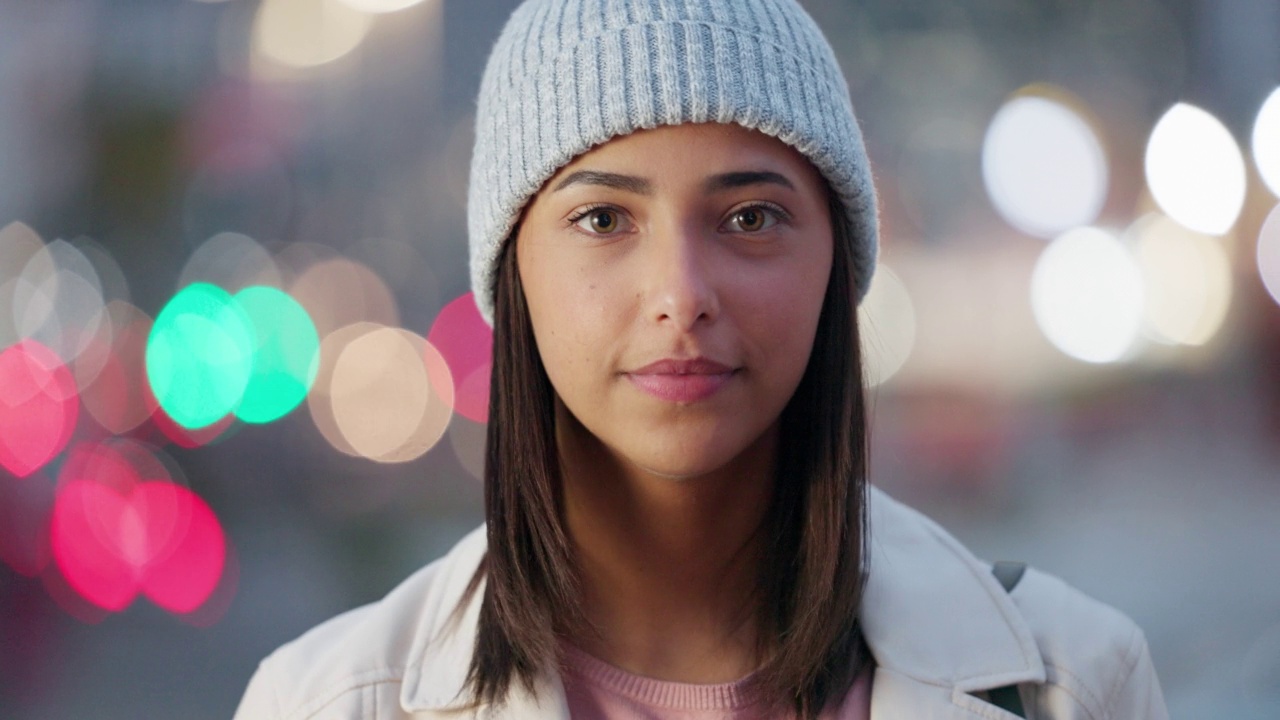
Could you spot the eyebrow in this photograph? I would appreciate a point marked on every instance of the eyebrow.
(642, 186)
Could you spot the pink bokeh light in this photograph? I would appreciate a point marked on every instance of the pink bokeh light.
(120, 528)
(38, 406)
(466, 342)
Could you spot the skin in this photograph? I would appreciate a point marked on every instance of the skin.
(664, 499)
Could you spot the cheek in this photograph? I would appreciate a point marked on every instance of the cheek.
(567, 311)
(781, 316)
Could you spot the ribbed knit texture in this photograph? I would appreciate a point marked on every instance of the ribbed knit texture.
(566, 75)
(597, 675)
(596, 690)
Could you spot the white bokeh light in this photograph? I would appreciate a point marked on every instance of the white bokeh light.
(1266, 142)
(1187, 280)
(1043, 166)
(887, 323)
(307, 33)
(1269, 253)
(380, 6)
(1087, 295)
(1195, 170)
(58, 300)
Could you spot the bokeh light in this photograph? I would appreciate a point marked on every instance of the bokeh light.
(58, 300)
(116, 533)
(1266, 142)
(1195, 170)
(1187, 279)
(379, 6)
(391, 395)
(337, 292)
(1087, 295)
(111, 374)
(1269, 253)
(39, 406)
(219, 601)
(122, 526)
(307, 33)
(117, 463)
(1043, 166)
(887, 325)
(231, 261)
(285, 354)
(466, 342)
(319, 401)
(200, 355)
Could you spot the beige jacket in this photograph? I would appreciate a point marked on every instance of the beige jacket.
(939, 624)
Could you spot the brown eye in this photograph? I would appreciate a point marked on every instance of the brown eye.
(599, 220)
(604, 221)
(755, 218)
(750, 219)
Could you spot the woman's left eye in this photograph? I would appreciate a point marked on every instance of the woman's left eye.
(755, 218)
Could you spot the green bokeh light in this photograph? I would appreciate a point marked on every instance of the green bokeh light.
(200, 355)
(286, 354)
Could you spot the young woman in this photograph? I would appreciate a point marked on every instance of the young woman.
(672, 221)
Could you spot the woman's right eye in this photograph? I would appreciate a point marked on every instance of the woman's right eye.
(599, 220)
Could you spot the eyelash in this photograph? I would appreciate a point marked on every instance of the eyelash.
(780, 214)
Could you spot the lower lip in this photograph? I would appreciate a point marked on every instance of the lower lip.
(681, 388)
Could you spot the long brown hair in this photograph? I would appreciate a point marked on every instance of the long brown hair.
(813, 571)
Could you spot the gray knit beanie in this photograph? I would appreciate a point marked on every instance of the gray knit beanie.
(567, 75)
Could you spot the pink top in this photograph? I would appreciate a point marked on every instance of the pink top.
(599, 691)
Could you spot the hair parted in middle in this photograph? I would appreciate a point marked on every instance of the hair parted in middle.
(813, 566)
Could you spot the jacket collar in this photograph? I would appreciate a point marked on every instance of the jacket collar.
(931, 612)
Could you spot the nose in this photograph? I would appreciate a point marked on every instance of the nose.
(682, 286)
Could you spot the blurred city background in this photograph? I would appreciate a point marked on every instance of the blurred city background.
(243, 385)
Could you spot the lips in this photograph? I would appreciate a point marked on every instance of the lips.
(682, 381)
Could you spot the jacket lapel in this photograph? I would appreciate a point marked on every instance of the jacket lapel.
(937, 621)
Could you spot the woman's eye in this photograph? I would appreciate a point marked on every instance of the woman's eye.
(754, 218)
(598, 221)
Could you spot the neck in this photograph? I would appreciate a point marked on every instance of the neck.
(668, 566)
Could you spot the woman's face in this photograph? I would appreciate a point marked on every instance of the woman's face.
(674, 279)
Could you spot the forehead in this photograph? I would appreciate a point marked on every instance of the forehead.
(693, 150)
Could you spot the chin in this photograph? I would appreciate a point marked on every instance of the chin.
(686, 461)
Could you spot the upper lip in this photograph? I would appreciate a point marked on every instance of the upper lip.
(691, 366)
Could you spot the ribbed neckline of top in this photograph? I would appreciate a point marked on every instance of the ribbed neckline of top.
(655, 693)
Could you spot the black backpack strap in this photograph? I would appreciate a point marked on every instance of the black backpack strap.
(1007, 697)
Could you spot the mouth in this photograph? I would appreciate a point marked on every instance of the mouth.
(682, 381)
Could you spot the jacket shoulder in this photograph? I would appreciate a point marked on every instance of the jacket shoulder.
(1096, 659)
(358, 658)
